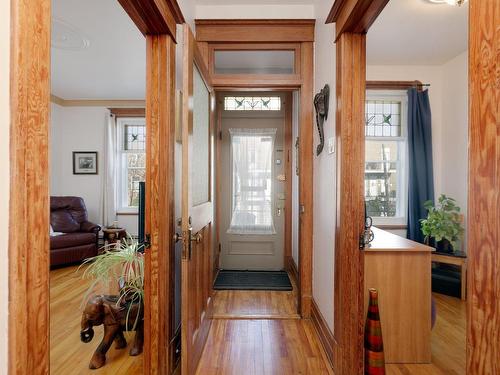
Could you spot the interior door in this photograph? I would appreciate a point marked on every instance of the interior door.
(197, 205)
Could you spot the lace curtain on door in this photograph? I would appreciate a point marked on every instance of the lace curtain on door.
(252, 187)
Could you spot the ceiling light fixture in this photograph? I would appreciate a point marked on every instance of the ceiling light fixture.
(67, 37)
(449, 2)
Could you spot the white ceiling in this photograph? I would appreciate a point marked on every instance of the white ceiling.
(416, 32)
(112, 66)
(256, 2)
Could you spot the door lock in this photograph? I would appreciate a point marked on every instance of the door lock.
(177, 237)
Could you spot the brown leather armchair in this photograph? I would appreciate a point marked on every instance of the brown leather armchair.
(79, 239)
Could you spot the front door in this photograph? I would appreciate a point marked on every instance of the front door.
(197, 207)
(252, 183)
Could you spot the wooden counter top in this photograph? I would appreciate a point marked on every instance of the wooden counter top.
(386, 241)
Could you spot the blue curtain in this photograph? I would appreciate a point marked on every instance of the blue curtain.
(420, 178)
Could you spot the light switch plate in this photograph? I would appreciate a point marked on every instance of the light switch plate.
(331, 145)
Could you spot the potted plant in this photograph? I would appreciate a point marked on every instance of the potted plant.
(121, 264)
(443, 225)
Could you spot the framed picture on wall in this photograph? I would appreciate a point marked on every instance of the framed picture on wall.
(84, 162)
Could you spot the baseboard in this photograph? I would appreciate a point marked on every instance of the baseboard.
(292, 268)
(324, 332)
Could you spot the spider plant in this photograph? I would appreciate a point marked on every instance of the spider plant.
(121, 263)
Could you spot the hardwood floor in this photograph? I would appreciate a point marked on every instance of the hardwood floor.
(447, 341)
(243, 339)
(68, 355)
(256, 304)
(263, 347)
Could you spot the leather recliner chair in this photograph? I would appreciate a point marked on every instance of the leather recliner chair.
(79, 239)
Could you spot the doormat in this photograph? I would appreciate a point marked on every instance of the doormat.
(252, 280)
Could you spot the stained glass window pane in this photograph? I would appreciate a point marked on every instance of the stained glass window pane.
(252, 103)
(134, 137)
(383, 118)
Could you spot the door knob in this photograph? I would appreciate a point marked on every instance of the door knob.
(177, 237)
(197, 238)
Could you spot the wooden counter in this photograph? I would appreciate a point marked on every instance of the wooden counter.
(400, 270)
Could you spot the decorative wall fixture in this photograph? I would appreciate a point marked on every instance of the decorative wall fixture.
(321, 104)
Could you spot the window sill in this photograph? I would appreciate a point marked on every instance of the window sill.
(391, 226)
(127, 213)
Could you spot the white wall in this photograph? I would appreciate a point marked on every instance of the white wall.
(255, 11)
(80, 129)
(454, 160)
(4, 176)
(324, 170)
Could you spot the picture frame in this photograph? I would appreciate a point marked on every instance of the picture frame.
(85, 162)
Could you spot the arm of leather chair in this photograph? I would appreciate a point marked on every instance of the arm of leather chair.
(89, 227)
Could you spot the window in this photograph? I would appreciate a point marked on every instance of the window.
(386, 154)
(131, 160)
(251, 160)
(252, 103)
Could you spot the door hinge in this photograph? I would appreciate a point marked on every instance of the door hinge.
(220, 135)
(220, 248)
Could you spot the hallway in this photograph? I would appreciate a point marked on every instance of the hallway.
(260, 333)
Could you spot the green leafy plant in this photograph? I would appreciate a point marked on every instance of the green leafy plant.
(122, 264)
(443, 221)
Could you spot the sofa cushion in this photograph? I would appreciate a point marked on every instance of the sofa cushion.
(63, 221)
(72, 239)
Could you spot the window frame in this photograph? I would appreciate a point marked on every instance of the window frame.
(121, 163)
(401, 217)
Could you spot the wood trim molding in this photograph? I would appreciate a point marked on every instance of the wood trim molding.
(262, 30)
(292, 268)
(154, 16)
(28, 336)
(483, 229)
(97, 102)
(128, 112)
(287, 157)
(354, 16)
(394, 85)
(306, 178)
(324, 332)
(159, 258)
(349, 265)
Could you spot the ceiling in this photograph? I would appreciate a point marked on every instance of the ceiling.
(416, 32)
(111, 66)
(256, 2)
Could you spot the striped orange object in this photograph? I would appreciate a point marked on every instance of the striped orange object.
(374, 345)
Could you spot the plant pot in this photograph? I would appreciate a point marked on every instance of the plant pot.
(444, 246)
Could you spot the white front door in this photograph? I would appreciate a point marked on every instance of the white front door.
(252, 189)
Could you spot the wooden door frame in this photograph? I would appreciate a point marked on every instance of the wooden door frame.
(28, 337)
(297, 35)
(353, 19)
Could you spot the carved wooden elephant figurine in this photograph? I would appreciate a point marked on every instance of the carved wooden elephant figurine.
(104, 310)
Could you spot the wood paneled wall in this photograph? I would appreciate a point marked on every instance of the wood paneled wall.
(483, 237)
(29, 188)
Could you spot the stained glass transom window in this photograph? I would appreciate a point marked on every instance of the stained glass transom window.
(252, 103)
(383, 118)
